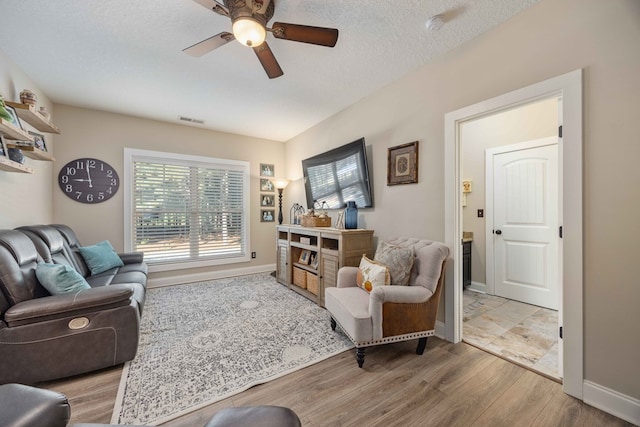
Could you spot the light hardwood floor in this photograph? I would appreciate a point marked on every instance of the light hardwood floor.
(450, 385)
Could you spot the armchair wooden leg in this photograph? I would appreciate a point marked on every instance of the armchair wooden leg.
(422, 343)
(360, 356)
(333, 324)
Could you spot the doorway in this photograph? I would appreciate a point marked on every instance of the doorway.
(569, 88)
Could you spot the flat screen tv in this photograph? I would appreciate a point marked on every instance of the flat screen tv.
(340, 175)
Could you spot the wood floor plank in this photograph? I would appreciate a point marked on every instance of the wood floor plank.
(449, 385)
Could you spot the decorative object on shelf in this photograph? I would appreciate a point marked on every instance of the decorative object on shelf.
(3, 147)
(267, 169)
(28, 97)
(402, 164)
(267, 215)
(467, 185)
(340, 221)
(310, 219)
(267, 200)
(305, 256)
(266, 185)
(351, 216)
(13, 116)
(313, 263)
(38, 140)
(280, 184)
(295, 213)
(4, 114)
(44, 113)
(88, 180)
(16, 155)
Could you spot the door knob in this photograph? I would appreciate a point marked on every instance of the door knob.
(498, 232)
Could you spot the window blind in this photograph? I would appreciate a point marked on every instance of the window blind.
(187, 211)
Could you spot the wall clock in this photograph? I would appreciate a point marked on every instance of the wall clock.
(88, 180)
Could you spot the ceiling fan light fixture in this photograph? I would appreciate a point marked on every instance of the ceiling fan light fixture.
(249, 32)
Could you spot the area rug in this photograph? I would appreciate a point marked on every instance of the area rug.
(204, 342)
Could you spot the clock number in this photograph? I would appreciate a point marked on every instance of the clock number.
(109, 173)
(101, 196)
(91, 164)
(78, 195)
(79, 165)
(89, 197)
(68, 188)
(64, 179)
(71, 171)
(114, 182)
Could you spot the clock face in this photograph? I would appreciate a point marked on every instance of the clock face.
(88, 180)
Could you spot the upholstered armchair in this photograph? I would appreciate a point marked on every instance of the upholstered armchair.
(391, 313)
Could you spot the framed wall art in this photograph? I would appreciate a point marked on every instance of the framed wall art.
(266, 185)
(38, 139)
(267, 215)
(267, 170)
(402, 164)
(267, 200)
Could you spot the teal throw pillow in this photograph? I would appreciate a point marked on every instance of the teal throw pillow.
(60, 278)
(100, 257)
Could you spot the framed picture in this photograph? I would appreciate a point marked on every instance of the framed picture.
(38, 139)
(305, 257)
(402, 164)
(267, 215)
(266, 185)
(266, 200)
(314, 261)
(3, 148)
(267, 170)
(14, 116)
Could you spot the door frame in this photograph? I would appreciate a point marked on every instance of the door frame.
(569, 87)
(488, 206)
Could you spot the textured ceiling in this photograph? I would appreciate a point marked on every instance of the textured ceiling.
(126, 56)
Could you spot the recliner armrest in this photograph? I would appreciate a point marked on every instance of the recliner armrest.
(64, 305)
(132, 257)
(347, 277)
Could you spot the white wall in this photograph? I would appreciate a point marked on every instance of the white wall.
(25, 198)
(551, 38)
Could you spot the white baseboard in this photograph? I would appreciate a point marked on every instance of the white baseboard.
(478, 287)
(612, 402)
(209, 275)
(439, 332)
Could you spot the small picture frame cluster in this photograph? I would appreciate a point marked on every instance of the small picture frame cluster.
(267, 195)
(402, 164)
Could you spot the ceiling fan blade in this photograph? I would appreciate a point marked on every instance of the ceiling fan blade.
(305, 34)
(268, 61)
(214, 5)
(207, 45)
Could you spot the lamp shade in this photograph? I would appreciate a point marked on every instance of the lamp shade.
(280, 182)
(249, 32)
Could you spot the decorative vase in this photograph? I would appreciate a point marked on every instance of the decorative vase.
(351, 216)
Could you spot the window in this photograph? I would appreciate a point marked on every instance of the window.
(186, 211)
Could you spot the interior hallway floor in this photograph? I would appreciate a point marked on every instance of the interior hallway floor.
(522, 333)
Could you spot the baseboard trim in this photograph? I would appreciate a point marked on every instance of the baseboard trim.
(209, 275)
(439, 331)
(478, 287)
(611, 401)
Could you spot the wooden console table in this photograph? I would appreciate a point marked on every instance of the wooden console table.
(326, 249)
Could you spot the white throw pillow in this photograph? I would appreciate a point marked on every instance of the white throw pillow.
(372, 274)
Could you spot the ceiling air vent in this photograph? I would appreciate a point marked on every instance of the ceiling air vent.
(191, 120)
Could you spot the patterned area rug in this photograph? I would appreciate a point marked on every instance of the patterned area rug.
(203, 342)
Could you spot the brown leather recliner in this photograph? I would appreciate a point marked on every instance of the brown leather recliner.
(45, 337)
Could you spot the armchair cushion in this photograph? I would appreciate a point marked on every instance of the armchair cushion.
(60, 278)
(100, 257)
(398, 259)
(372, 274)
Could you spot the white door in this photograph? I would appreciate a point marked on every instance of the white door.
(526, 223)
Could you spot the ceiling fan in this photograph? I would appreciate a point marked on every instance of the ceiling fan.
(249, 26)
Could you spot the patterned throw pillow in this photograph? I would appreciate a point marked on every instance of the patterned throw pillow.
(371, 274)
(399, 261)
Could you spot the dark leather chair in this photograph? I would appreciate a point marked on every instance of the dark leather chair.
(45, 337)
(24, 406)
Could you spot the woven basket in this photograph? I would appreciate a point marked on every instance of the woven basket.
(312, 283)
(316, 221)
(300, 277)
